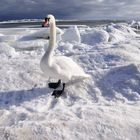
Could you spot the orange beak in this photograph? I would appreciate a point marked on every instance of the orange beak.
(46, 23)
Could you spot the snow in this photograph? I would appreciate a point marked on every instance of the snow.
(44, 33)
(106, 107)
(71, 35)
(119, 32)
(135, 24)
(94, 36)
(5, 49)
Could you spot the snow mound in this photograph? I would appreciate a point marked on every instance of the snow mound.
(94, 36)
(122, 83)
(119, 32)
(29, 45)
(44, 33)
(135, 24)
(8, 38)
(65, 47)
(6, 50)
(71, 35)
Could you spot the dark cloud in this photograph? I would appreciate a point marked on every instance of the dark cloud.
(70, 9)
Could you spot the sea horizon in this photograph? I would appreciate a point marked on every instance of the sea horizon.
(36, 23)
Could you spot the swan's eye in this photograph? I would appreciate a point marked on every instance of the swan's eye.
(47, 19)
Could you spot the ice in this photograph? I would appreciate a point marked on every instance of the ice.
(94, 36)
(105, 107)
(7, 38)
(119, 32)
(71, 35)
(44, 33)
(6, 50)
(135, 24)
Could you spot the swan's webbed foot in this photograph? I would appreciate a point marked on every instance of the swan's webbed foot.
(58, 93)
(54, 85)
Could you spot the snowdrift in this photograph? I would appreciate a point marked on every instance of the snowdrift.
(105, 107)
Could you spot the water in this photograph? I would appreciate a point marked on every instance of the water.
(61, 24)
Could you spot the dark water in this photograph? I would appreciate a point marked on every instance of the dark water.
(61, 24)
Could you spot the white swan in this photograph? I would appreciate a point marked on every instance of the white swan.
(59, 67)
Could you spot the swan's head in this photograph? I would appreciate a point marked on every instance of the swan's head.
(50, 19)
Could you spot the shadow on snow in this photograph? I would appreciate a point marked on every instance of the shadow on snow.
(9, 98)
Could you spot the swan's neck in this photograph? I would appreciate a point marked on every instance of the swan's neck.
(52, 40)
(49, 53)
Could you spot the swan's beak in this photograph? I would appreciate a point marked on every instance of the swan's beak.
(47, 21)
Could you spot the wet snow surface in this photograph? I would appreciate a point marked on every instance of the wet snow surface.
(107, 107)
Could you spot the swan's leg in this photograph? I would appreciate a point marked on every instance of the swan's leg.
(54, 85)
(58, 93)
(48, 81)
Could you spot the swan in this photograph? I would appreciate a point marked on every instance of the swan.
(59, 67)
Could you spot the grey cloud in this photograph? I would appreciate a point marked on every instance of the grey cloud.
(77, 9)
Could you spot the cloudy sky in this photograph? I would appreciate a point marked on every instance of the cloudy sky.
(70, 9)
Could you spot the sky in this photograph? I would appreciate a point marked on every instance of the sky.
(70, 9)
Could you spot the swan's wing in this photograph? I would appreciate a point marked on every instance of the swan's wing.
(67, 64)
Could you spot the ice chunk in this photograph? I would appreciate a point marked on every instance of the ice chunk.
(7, 50)
(119, 32)
(44, 33)
(94, 36)
(71, 35)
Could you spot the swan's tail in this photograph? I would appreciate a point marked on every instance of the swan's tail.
(86, 76)
(77, 79)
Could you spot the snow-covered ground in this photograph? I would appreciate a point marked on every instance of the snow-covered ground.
(105, 108)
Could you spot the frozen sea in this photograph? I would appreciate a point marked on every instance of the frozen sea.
(107, 107)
